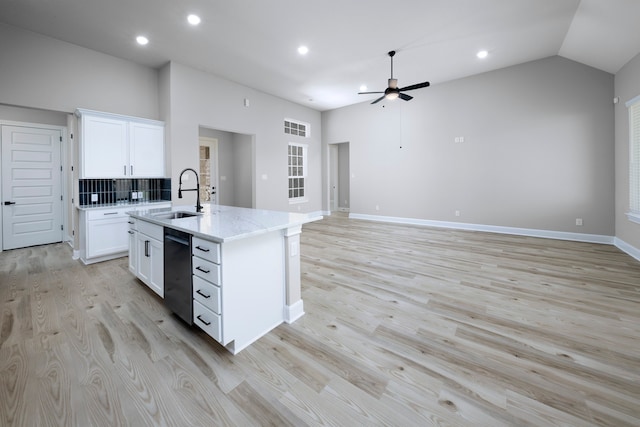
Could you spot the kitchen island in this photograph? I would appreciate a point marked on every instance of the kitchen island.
(243, 274)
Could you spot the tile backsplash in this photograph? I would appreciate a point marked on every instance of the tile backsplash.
(98, 192)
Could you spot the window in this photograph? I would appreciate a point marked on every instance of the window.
(297, 172)
(634, 159)
(293, 127)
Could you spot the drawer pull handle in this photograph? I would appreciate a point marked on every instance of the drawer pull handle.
(110, 213)
(202, 249)
(130, 222)
(202, 320)
(206, 296)
(131, 232)
(203, 270)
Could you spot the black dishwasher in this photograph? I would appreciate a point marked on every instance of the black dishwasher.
(178, 294)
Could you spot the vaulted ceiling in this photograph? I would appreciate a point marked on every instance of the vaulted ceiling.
(255, 42)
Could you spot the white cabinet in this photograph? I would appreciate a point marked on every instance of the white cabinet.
(146, 150)
(106, 233)
(238, 288)
(149, 255)
(133, 246)
(104, 147)
(103, 234)
(114, 146)
(207, 306)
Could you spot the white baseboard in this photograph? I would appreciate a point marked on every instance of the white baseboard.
(293, 312)
(548, 234)
(625, 247)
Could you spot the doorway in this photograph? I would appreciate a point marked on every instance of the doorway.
(339, 177)
(209, 187)
(32, 211)
(232, 171)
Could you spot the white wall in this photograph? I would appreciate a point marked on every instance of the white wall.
(40, 72)
(538, 150)
(243, 173)
(627, 86)
(197, 99)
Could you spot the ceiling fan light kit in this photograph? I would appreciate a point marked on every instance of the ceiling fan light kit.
(392, 91)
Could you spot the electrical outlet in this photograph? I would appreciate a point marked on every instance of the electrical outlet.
(140, 195)
(457, 213)
(377, 207)
(579, 221)
(134, 195)
(94, 197)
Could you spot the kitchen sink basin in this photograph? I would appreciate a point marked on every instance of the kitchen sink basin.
(174, 215)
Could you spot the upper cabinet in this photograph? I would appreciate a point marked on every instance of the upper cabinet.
(114, 146)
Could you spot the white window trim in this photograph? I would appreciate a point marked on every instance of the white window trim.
(305, 160)
(298, 122)
(634, 162)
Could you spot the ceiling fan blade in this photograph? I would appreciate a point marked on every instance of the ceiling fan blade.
(405, 96)
(365, 93)
(378, 100)
(415, 86)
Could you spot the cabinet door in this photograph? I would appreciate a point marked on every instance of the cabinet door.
(107, 236)
(133, 252)
(143, 257)
(150, 259)
(156, 280)
(146, 150)
(104, 147)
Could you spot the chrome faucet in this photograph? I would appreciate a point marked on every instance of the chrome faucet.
(197, 189)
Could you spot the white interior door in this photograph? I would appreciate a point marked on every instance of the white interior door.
(209, 170)
(31, 186)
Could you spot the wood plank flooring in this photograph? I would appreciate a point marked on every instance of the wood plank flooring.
(404, 326)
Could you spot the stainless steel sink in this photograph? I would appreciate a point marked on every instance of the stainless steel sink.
(174, 215)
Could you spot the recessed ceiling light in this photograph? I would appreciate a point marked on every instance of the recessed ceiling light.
(363, 88)
(142, 40)
(193, 19)
(482, 54)
(303, 50)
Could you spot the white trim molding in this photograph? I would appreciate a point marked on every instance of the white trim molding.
(547, 234)
(625, 247)
(633, 217)
(293, 312)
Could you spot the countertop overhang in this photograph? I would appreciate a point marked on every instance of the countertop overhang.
(224, 223)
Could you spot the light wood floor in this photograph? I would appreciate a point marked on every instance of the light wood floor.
(404, 326)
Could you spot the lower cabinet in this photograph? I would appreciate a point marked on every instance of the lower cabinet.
(207, 303)
(103, 234)
(147, 261)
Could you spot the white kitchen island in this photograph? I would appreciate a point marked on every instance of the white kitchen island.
(245, 264)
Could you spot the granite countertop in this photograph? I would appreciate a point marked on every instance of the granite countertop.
(224, 223)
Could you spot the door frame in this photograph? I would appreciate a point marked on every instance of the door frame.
(64, 164)
(334, 176)
(212, 143)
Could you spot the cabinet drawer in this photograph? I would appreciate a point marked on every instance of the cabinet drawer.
(206, 270)
(96, 214)
(207, 294)
(207, 320)
(152, 230)
(206, 249)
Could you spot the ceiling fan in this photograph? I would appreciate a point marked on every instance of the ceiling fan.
(393, 92)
